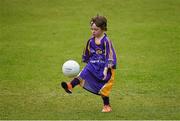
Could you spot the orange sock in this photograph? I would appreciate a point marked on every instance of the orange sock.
(69, 86)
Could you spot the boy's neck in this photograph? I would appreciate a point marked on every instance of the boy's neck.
(100, 37)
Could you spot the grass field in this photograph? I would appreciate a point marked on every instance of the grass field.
(38, 36)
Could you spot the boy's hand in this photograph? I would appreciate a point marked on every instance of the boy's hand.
(105, 72)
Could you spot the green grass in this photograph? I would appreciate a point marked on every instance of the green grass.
(38, 36)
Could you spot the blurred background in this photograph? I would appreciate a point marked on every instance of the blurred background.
(38, 36)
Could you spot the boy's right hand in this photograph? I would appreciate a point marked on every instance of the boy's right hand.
(105, 73)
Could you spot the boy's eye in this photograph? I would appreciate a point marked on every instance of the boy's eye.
(94, 29)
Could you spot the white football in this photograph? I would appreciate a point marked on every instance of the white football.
(70, 68)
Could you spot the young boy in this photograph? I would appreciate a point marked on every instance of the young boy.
(98, 74)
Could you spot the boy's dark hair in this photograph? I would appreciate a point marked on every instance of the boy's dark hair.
(100, 21)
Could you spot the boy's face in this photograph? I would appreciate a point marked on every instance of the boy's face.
(96, 31)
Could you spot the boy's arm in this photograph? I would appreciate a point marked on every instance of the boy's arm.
(110, 55)
(86, 53)
(110, 58)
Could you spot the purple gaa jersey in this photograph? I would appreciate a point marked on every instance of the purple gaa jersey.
(97, 57)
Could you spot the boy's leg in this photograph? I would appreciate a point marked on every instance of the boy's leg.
(105, 100)
(68, 86)
(75, 82)
(106, 107)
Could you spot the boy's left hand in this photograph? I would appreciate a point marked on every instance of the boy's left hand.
(105, 72)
